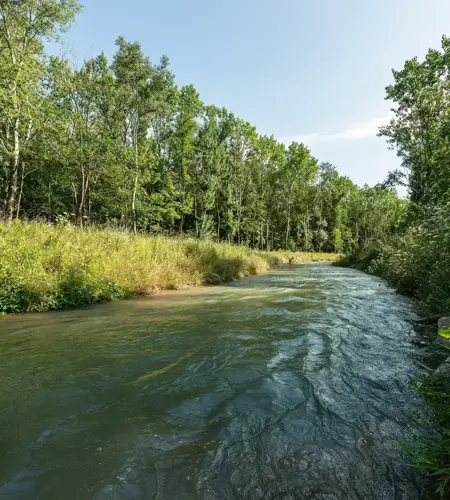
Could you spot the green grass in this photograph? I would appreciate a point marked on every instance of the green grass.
(432, 453)
(55, 267)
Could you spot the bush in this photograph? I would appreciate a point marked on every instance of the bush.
(416, 262)
(361, 257)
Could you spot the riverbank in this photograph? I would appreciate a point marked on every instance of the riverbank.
(415, 261)
(417, 264)
(56, 267)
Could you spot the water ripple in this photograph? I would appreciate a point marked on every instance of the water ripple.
(292, 385)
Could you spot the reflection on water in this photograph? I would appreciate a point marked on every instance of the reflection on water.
(292, 385)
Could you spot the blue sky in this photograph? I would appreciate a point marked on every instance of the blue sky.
(308, 70)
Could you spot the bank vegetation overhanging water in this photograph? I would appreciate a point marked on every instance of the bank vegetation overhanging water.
(417, 263)
(45, 267)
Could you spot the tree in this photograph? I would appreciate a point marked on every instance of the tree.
(120, 144)
(299, 170)
(133, 72)
(183, 146)
(24, 27)
(211, 154)
(420, 129)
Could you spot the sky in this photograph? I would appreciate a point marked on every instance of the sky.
(313, 71)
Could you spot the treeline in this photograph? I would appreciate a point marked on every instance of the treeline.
(117, 143)
(417, 258)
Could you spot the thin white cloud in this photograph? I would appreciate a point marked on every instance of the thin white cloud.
(359, 131)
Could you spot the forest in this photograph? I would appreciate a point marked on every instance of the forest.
(117, 143)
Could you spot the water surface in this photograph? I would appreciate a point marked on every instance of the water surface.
(291, 385)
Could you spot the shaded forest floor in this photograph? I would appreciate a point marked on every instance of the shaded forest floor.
(55, 267)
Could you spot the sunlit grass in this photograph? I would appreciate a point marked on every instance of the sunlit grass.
(53, 267)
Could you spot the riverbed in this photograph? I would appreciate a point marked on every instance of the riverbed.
(296, 384)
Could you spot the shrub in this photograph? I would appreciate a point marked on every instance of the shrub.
(416, 262)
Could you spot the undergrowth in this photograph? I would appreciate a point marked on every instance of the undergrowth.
(55, 267)
(416, 262)
(433, 453)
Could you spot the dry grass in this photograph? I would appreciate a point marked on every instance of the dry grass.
(44, 267)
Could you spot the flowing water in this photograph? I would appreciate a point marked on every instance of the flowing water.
(291, 385)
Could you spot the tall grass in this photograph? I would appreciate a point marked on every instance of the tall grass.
(54, 267)
(433, 453)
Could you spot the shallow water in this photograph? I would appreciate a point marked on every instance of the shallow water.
(291, 385)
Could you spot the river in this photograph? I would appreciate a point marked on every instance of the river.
(295, 384)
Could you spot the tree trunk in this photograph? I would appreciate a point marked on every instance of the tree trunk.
(306, 246)
(80, 209)
(49, 198)
(136, 178)
(181, 223)
(19, 199)
(88, 202)
(218, 228)
(85, 211)
(13, 175)
(133, 203)
(288, 223)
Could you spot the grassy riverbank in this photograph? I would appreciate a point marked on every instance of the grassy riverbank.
(44, 267)
(417, 263)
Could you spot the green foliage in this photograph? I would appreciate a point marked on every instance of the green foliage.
(420, 127)
(416, 262)
(118, 144)
(338, 240)
(25, 26)
(433, 452)
(362, 257)
(445, 332)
